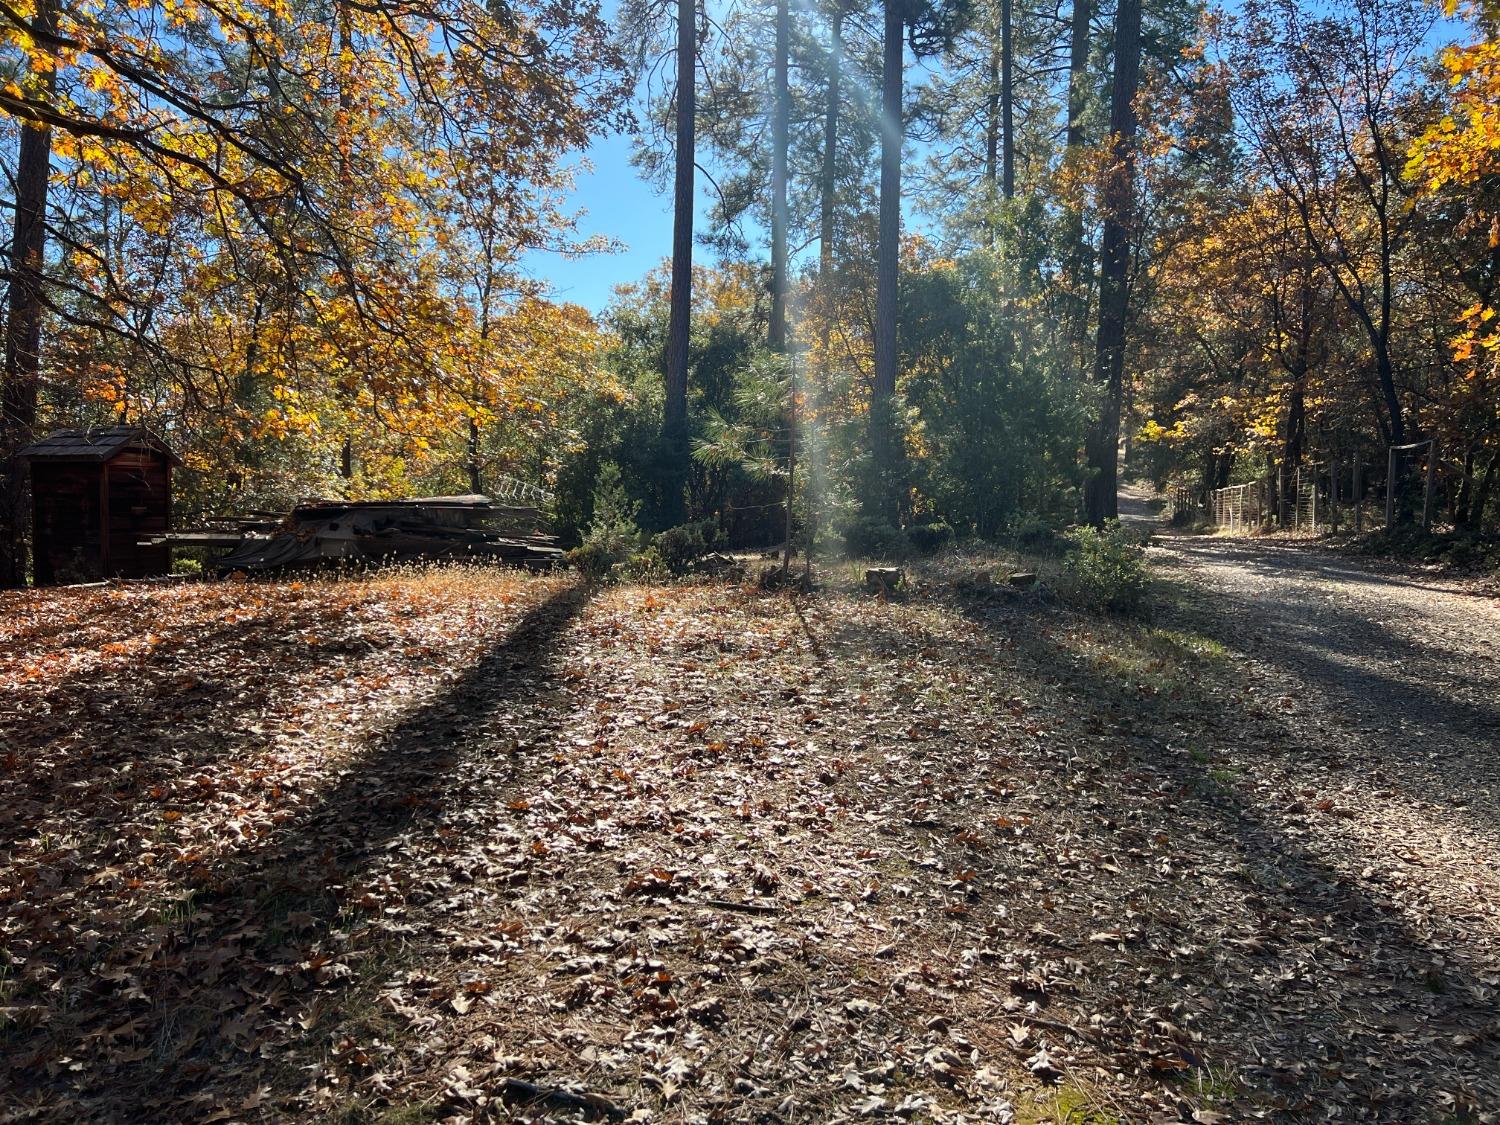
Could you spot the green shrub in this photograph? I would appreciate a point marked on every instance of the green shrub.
(1036, 534)
(645, 566)
(930, 537)
(612, 536)
(678, 548)
(1105, 569)
(869, 538)
(593, 560)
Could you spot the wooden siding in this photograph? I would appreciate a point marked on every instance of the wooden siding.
(139, 507)
(89, 518)
(67, 525)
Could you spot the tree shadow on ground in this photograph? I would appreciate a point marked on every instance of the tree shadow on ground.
(91, 748)
(1306, 560)
(1353, 664)
(1315, 988)
(203, 1015)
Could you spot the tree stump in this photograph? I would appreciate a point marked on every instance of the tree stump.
(884, 580)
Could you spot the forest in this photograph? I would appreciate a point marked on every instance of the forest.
(1000, 603)
(957, 256)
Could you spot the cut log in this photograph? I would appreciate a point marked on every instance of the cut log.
(719, 566)
(429, 527)
(885, 580)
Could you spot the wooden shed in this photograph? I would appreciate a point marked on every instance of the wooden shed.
(96, 495)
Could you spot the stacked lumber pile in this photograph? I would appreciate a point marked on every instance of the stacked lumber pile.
(426, 527)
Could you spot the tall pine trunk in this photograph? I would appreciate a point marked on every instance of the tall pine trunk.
(1078, 71)
(992, 142)
(1007, 103)
(888, 253)
(23, 324)
(1101, 491)
(344, 47)
(888, 256)
(674, 421)
(780, 127)
(1076, 262)
(827, 180)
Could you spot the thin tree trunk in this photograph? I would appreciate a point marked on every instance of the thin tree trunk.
(1101, 492)
(344, 47)
(992, 128)
(1291, 441)
(1482, 493)
(887, 259)
(992, 124)
(23, 324)
(1385, 374)
(1465, 492)
(1007, 102)
(1078, 71)
(476, 483)
(487, 288)
(1077, 250)
(674, 422)
(780, 127)
(827, 184)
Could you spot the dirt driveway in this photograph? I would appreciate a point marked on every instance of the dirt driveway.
(1385, 688)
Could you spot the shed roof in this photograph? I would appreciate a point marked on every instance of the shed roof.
(98, 445)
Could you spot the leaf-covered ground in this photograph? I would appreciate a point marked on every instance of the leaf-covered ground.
(435, 846)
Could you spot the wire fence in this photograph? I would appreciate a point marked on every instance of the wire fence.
(1320, 497)
(1240, 507)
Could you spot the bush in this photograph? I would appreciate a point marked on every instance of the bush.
(1036, 534)
(1105, 569)
(612, 536)
(646, 566)
(593, 560)
(929, 537)
(870, 538)
(680, 547)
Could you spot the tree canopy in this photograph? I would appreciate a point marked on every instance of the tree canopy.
(1016, 245)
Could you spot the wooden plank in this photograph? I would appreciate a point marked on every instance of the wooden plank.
(193, 539)
(103, 530)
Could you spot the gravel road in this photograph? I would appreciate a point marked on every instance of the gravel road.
(1361, 711)
(1403, 668)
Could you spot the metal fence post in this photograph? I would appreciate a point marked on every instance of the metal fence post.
(1359, 496)
(1390, 488)
(1432, 450)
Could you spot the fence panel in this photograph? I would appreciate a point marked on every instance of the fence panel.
(1239, 507)
(1183, 502)
(1340, 495)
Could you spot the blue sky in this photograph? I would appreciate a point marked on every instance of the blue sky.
(620, 205)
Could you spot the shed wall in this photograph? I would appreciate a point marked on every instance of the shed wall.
(139, 507)
(67, 526)
(90, 517)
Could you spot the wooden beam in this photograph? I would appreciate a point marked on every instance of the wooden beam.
(104, 520)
